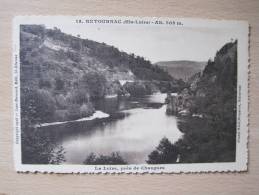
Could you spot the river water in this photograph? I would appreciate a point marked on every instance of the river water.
(133, 136)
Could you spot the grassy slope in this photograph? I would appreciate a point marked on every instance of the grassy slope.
(69, 72)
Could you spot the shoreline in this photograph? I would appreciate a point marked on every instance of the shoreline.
(97, 115)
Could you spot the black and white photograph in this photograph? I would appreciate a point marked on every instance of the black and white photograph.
(130, 94)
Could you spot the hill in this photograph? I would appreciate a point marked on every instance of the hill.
(209, 106)
(182, 69)
(62, 75)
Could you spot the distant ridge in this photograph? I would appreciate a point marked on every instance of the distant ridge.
(64, 75)
(182, 69)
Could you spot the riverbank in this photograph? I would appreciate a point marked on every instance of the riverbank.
(97, 115)
(132, 130)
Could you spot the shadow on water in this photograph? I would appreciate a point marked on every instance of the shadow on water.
(62, 131)
(134, 128)
(116, 105)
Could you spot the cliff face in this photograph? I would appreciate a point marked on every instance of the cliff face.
(215, 86)
(210, 105)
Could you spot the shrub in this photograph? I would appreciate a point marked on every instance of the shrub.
(61, 101)
(140, 88)
(78, 96)
(95, 83)
(74, 56)
(73, 112)
(44, 83)
(61, 115)
(165, 153)
(86, 110)
(135, 89)
(38, 148)
(113, 159)
(37, 105)
(59, 84)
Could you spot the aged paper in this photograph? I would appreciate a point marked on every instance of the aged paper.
(129, 95)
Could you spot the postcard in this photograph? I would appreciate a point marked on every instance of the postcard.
(99, 94)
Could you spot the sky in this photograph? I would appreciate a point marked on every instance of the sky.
(156, 43)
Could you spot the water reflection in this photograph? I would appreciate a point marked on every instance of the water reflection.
(134, 136)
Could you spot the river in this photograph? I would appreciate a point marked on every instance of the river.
(134, 136)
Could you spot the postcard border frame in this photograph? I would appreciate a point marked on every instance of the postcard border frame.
(241, 163)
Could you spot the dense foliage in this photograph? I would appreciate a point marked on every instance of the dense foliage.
(113, 159)
(211, 137)
(38, 148)
(66, 73)
(217, 138)
(165, 153)
(61, 78)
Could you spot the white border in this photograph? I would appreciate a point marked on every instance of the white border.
(241, 27)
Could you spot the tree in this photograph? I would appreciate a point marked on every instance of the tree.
(59, 83)
(165, 153)
(95, 83)
(86, 109)
(113, 159)
(37, 105)
(38, 148)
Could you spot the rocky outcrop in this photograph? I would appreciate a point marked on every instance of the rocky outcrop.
(179, 104)
(211, 87)
(210, 134)
(172, 105)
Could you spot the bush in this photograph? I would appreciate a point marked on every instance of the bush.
(165, 153)
(37, 105)
(113, 159)
(44, 83)
(59, 83)
(73, 112)
(74, 56)
(38, 148)
(95, 83)
(86, 110)
(78, 96)
(139, 88)
(61, 115)
(34, 29)
(61, 101)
